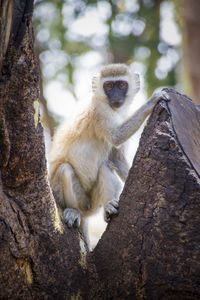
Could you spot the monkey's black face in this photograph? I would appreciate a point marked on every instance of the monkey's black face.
(116, 92)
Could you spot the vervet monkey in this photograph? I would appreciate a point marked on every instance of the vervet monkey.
(87, 161)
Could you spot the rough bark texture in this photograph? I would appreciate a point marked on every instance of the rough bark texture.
(149, 251)
(191, 10)
(37, 255)
(6, 17)
(152, 249)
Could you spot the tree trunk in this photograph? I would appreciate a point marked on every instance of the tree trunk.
(149, 251)
(192, 45)
(37, 254)
(152, 249)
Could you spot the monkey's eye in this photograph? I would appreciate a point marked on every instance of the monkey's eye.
(122, 85)
(108, 85)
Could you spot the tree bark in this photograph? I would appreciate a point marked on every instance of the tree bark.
(192, 45)
(6, 17)
(37, 254)
(152, 249)
(149, 251)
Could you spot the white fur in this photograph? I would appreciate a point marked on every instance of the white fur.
(87, 157)
(117, 78)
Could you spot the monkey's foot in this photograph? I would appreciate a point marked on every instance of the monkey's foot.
(72, 217)
(111, 208)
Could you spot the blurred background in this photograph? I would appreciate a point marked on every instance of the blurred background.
(160, 40)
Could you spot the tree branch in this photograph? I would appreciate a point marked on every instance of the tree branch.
(152, 249)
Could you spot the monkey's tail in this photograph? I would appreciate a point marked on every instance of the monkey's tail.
(84, 231)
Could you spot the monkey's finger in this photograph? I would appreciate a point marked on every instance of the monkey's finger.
(77, 223)
(112, 205)
(69, 221)
(110, 208)
(107, 217)
(69, 224)
(74, 222)
(165, 96)
(71, 217)
(115, 203)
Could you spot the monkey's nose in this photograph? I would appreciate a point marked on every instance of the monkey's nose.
(116, 102)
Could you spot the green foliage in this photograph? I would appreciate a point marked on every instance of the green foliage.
(132, 33)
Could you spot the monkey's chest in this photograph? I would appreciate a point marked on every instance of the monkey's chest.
(86, 158)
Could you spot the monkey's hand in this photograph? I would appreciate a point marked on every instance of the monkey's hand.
(72, 217)
(110, 208)
(158, 96)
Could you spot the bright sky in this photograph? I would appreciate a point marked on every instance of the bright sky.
(91, 24)
(60, 100)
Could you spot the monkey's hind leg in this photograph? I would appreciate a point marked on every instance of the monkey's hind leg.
(70, 195)
(107, 191)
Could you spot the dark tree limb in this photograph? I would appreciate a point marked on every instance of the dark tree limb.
(39, 257)
(23, 10)
(6, 21)
(152, 249)
(191, 11)
(186, 124)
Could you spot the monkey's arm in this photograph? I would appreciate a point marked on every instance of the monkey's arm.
(122, 133)
(119, 163)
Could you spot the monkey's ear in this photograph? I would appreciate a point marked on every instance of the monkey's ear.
(137, 82)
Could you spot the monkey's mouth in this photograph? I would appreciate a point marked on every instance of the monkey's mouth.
(116, 104)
